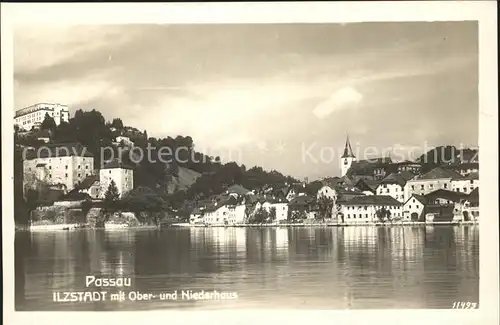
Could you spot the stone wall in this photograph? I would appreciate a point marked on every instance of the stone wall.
(54, 215)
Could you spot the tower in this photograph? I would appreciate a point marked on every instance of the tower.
(347, 158)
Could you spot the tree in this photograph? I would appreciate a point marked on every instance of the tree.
(48, 123)
(383, 214)
(325, 207)
(117, 123)
(143, 199)
(111, 197)
(259, 216)
(272, 214)
(86, 206)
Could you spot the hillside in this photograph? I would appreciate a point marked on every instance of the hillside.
(183, 181)
(177, 178)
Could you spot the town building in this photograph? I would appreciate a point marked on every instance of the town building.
(437, 178)
(367, 186)
(302, 206)
(124, 141)
(370, 208)
(467, 184)
(120, 173)
(393, 185)
(33, 116)
(467, 168)
(64, 165)
(443, 205)
(408, 166)
(327, 191)
(414, 207)
(470, 206)
(230, 211)
(90, 186)
(280, 206)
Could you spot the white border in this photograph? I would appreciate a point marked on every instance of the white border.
(305, 12)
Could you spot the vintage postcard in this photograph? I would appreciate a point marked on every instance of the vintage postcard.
(250, 159)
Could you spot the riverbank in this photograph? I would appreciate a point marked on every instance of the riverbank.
(376, 224)
(114, 226)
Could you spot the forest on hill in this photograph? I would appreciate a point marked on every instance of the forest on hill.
(184, 176)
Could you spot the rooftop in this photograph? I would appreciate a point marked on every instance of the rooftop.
(115, 163)
(238, 189)
(372, 200)
(439, 173)
(394, 178)
(87, 182)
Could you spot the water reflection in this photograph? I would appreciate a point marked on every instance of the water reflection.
(338, 267)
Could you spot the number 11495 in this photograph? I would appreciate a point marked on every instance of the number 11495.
(464, 305)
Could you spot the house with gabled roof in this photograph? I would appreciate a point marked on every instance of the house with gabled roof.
(392, 185)
(414, 208)
(367, 186)
(437, 178)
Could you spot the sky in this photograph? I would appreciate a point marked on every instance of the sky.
(281, 96)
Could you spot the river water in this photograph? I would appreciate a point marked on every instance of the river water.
(314, 268)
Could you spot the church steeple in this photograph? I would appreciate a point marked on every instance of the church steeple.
(347, 158)
(347, 150)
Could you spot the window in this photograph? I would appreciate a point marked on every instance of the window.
(365, 208)
(409, 207)
(79, 166)
(471, 181)
(445, 185)
(110, 171)
(422, 186)
(87, 167)
(431, 185)
(472, 188)
(66, 175)
(79, 175)
(50, 167)
(387, 190)
(66, 166)
(465, 189)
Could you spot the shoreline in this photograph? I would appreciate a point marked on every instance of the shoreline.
(118, 227)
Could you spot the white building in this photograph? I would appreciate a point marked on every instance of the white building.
(392, 185)
(236, 214)
(122, 140)
(413, 208)
(90, 186)
(438, 178)
(328, 192)
(363, 209)
(280, 207)
(465, 169)
(466, 185)
(65, 165)
(33, 116)
(347, 158)
(121, 174)
(215, 215)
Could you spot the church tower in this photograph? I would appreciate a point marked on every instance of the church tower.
(347, 158)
